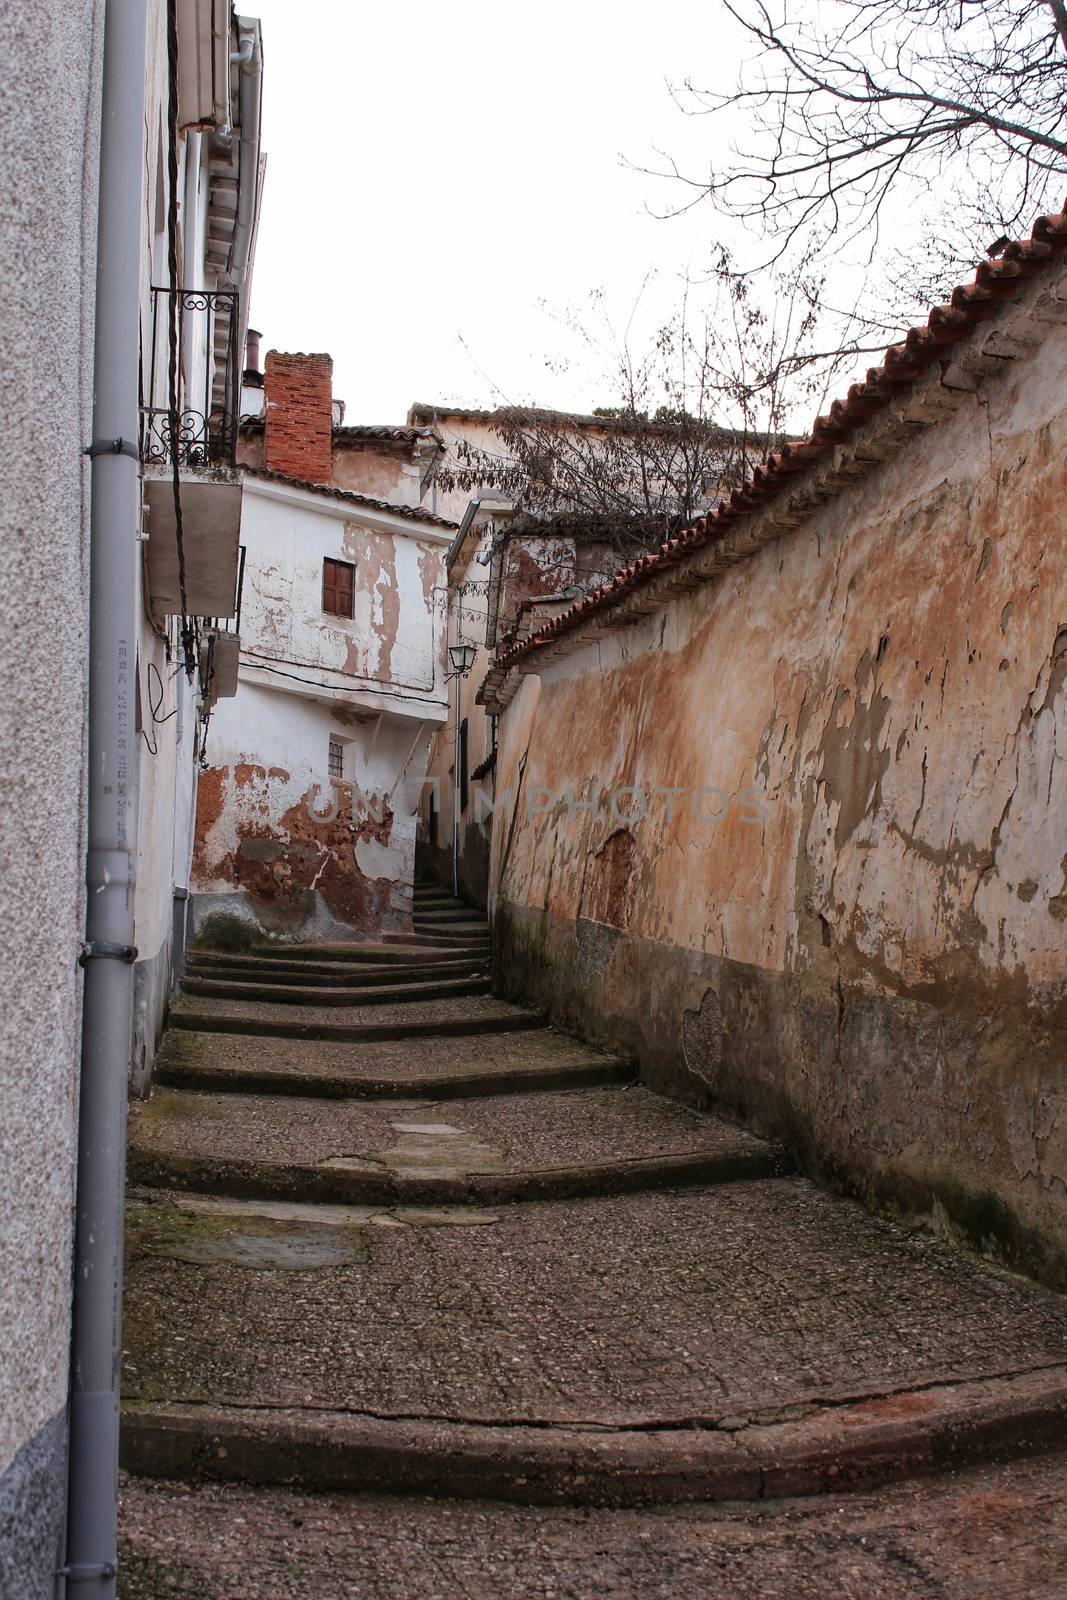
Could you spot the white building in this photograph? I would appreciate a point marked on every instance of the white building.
(307, 807)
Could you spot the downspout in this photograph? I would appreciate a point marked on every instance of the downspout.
(249, 60)
(107, 1006)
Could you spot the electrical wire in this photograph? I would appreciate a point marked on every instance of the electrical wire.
(315, 683)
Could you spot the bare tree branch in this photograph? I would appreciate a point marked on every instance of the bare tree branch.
(849, 101)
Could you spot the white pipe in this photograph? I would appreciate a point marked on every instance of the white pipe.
(250, 58)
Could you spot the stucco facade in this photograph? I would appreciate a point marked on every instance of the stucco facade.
(50, 112)
(49, 116)
(279, 840)
(846, 924)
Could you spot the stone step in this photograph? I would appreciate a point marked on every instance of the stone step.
(438, 1068)
(460, 917)
(468, 938)
(486, 1151)
(440, 901)
(377, 993)
(318, 974)
(745, 1341)
(376, 1019)
(989, 1532)
(321, 958)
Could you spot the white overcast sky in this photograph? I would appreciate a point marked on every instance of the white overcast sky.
(437, 174)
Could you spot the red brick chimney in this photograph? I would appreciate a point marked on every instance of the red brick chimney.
(299, 415)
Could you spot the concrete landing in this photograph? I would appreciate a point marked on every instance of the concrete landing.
(513, 1147)
(698, 1309)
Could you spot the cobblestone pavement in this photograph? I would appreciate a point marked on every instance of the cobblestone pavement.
(719, 1333)
(995, 1533)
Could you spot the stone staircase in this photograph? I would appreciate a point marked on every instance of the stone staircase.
(441, 920)
(391, 1235)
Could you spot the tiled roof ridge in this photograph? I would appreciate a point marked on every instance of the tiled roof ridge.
(578, 419)
(412, 513)
(385, 431)
(995, 283)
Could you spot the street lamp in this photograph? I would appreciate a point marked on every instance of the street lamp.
(462, 658)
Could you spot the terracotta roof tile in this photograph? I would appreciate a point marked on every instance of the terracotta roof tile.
(360, 432)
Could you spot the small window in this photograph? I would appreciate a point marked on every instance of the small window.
(463, 783)
(433, 820)
(337, 759)
(338, 587)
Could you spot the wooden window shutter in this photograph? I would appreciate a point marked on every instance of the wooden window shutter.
(338, 587)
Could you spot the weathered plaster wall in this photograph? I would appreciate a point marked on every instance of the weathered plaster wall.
(383, 474)
(865, 949)
(277, 841)
(475, 819)
(49, 119)
(390, 642)
(466, 601)
(374, 682)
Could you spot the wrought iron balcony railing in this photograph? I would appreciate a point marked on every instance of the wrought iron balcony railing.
(197, 425)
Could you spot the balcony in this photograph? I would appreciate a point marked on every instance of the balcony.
(188, 452)
(196, 426)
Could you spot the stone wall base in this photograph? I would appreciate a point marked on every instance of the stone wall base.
(935, 1116)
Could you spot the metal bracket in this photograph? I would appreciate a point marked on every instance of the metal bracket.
(111, 447)
(101, 947)
(85, 1569)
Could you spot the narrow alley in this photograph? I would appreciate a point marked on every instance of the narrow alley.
(391, 1236)
(533, 869)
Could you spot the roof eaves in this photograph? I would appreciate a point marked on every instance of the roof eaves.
(350, 497)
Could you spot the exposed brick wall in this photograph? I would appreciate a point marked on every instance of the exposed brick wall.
(299, 416)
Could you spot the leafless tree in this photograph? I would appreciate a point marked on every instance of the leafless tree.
(686, 414)
(851, 102)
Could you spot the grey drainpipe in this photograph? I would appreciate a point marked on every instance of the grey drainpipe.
(115, 510)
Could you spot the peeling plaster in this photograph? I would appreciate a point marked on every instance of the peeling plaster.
(886, 949)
